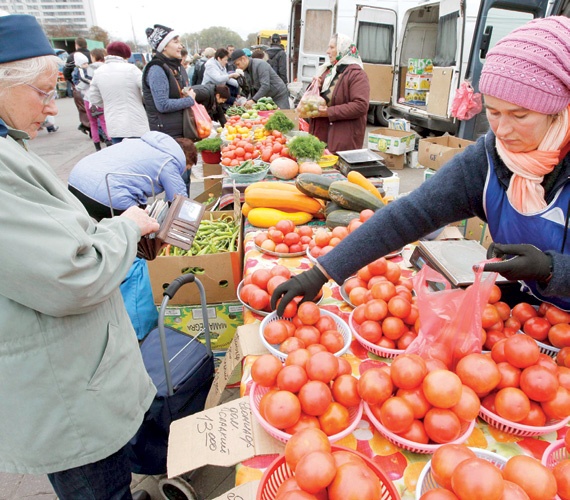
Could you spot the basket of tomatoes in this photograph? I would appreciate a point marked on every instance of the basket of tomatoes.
(309, 325)
(437, 473)
(310, 465)
(384, 352)
(524, 392)
(418, 406)
(557, 458)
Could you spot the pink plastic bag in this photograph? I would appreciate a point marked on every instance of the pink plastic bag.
(450, 319)
(466, 103)
(309, 104)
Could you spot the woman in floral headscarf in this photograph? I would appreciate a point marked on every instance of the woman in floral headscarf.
(344, 86)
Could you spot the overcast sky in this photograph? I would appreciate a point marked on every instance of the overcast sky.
(121, 18)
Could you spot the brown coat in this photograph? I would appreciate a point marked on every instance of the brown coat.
(345, 126)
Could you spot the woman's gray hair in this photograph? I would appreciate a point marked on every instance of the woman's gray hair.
(17, 73)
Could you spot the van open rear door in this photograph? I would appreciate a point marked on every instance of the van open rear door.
(375, 35)
(496, 19)
(313, 22)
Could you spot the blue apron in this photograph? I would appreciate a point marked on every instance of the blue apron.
(543, 229)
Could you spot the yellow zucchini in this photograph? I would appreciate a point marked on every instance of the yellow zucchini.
(274, 198)
(279, 186)
(267, 217)
(358, 179)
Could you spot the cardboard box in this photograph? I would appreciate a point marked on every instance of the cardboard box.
(399, 124)
(390, 185)
(212, 173)
(219, 273)
(395, 142)
(223, 320)
(416, 97)
(434, 152)
(394, 162)
(476, 229)
(418, 82)
(419, 66)
(210, 196)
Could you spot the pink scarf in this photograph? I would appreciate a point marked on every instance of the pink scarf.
(525, 191)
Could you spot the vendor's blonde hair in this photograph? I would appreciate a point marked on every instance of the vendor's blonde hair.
(17, 73)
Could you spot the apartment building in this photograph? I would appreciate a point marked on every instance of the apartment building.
(75, 15)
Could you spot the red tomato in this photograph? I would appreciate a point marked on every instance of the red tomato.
(537, 327)
(375, 310)
(276, 332)
(315, 397)
(555, 315)
(535, 416)
(291, 378)
(265, 369)
(512, 403)
(442, 425)
(291, 344)
(479, 372)
(309, 313)
(442, 388)
(393, 328)
(322, 366)
(408, 371)
(259, 299)
(396, 414)
(468, 406)
(495, 295)
(344, 367)
(523, 312)
(510, 375)
(534, 478)
(305, 422)
(260, 277)
(298, 357)
(375, 386)
(315, 471)
(490, 316)
(345, 390)
(561, 473)
(416, 399)
(558, 407)
(445, 459)
(439, 494)
(475, 479)
(283, 409)
(399, 307)
(354, 481)
(308, 334)
(303, 442)
(521, 351)
(335, 419)
(539, 383)
(325, 323)
(332, 340)
(559, 335)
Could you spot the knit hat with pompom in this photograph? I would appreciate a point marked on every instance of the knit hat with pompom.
(530, 66)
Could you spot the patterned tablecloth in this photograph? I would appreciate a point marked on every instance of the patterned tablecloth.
(402, 466)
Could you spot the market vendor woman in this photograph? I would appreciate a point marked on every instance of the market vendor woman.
(516, 177)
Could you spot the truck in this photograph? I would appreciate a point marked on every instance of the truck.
(451, 36)
(263, 38)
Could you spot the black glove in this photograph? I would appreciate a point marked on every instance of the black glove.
(307, 284)
(523, 262)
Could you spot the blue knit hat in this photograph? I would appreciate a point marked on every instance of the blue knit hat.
(22, 37)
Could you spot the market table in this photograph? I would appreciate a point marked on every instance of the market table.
(403, 467)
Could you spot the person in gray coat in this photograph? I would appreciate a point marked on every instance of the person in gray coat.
(277, 58)
(260, 80)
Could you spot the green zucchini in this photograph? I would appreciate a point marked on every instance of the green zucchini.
(341, 217)
(353, 197)
(314, 185)
(331, 206)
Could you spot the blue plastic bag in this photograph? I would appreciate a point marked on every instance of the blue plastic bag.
(137, 295)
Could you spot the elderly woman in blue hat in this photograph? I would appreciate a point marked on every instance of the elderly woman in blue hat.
(74, 388)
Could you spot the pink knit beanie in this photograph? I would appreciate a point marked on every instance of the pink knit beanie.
(530, 66)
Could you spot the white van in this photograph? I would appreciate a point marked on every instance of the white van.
(454, 35)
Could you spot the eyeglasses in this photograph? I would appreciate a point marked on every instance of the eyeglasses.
(48, 96)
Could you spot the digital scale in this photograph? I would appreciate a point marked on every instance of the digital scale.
(454, 259)
(368, 163)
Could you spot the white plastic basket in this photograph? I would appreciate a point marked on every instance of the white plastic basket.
(341, 325)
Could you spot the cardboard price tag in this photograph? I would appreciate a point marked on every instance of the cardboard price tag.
(246, 491)
(224, 435)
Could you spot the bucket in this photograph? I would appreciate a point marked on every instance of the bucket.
(211, 157)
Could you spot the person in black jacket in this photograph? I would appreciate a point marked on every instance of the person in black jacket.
(277, 58)
(80, 46)
(213, 97)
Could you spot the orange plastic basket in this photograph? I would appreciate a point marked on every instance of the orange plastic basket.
(279, 471)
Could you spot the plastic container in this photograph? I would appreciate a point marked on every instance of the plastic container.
(279, 471)
(383, 352)
(211, 157)
(342, 327)
(327, 161)
(256, 393)
(427, 482)
(280, 254)
(555, 453)
(520, 430)
(406, 444)
(245, 178)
